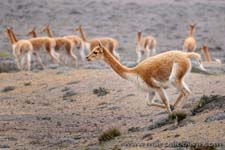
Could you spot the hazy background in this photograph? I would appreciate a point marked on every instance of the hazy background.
(167, 20)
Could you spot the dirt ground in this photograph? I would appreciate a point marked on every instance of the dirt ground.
(58, 108)
(40, 114)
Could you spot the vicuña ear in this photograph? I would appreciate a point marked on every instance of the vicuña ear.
(193, 24)
(10, 28)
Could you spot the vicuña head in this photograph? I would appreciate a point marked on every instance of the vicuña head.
(45, 28)
(192, 28)
(32, 32)
(190, 43)
(78, 28)
(96, 53)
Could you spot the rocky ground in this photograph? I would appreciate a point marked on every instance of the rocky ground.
(63, 109)
(69, 108)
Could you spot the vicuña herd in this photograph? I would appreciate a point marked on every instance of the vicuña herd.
(151, 75)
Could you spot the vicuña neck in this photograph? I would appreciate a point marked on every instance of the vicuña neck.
(115, 64)
(12, 37)
(83, 36)
(191, 32)
(139, 37)
(49, 32)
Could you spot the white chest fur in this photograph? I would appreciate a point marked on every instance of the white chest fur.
(137, 81)
(87, 46)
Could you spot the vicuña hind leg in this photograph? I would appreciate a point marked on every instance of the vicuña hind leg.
(73, 57)
(148, 52)
(54, 56)
(18, 63)
(139, 54)
(29, 54)
(39, 60)
(150, 101)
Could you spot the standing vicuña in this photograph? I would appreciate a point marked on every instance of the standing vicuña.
(154, 73)
(108, 42)
(21, 49)
(145, 44)
(62, 44)
(190, 42)
(46, 43)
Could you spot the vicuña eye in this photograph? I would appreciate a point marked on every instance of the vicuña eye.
(95, 53)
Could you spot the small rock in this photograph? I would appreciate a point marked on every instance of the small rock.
(27, 84)
(218, 116)
(69, 100)
(8, 88)
(75, 12)
(44, 118)
(176, 135)
(134, 129)
(69, 94)
(73, 82)
(101, 91)
(4, 146)
(53, 66)
(8, 66)
(77, 137)
(8, 138)
(147, 137)
(35, 142)
(58, 123)
(113, 107)
(53, 88)
(65, 89)
(129, 95)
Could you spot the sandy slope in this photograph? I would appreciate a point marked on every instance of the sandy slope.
(38, 115)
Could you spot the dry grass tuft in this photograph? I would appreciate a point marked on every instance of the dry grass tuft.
(109, 135)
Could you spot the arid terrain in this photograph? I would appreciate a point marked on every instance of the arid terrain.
(58, 109)
(70, 107)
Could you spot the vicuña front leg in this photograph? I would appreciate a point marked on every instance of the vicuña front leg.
(164, 98)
